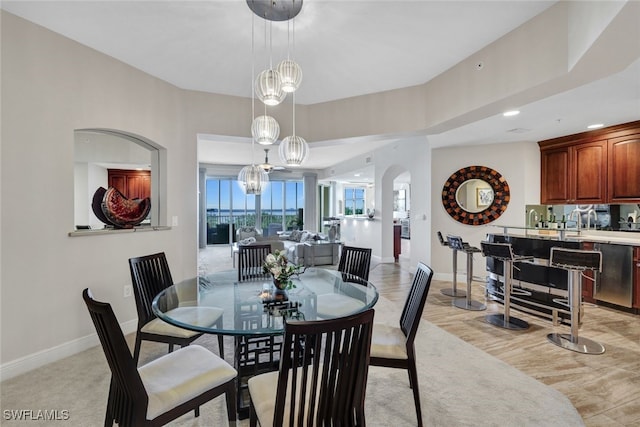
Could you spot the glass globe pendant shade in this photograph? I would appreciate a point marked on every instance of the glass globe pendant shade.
(268, 87)
(290, 75)
(265, 130)
(293, 150)
(253, 179)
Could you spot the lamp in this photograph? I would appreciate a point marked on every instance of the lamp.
(253, 179)
(290, 71)
(293, 149)
(265, 130)
(269, 88)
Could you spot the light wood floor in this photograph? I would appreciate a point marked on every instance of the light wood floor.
(605, 389)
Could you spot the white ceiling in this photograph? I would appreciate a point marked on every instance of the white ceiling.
(345, 48)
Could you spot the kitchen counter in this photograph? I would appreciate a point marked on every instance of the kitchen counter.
(632, 239)
(572, 235)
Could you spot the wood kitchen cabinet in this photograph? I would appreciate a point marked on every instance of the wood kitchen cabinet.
(133, 184)
(596, 167)
(624, 169)
(397, 247)
(574, 174)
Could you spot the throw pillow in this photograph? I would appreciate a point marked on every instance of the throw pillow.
(295, 235)
(247, 241)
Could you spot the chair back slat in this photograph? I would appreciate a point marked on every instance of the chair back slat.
(150, 275)
(250, 261)
(355, 261)
(128, 398)
(323, 371)
(414, 305)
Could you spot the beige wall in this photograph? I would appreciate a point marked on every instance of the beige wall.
(52, 86)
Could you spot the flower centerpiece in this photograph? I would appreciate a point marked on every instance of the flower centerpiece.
(278, 266)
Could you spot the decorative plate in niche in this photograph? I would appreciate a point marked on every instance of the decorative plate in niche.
(492, 212)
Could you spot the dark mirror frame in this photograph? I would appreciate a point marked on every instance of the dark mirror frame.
(498, 184)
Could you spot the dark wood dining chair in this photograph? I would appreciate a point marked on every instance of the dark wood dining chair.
(250, 262)
(355, 261)
(150, 275)
(393, 346)
(165, 388)
(322, 377)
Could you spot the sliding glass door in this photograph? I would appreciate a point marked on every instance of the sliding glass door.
(278, 208)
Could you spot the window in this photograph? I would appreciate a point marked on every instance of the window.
(354, 201)
(227, 209)
(278, 208)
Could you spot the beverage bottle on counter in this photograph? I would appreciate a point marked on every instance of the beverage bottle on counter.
(563, 223)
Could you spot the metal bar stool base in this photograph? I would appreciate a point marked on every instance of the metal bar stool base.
(453, 293)
(581, 345)
(469, 305)
(514, 323)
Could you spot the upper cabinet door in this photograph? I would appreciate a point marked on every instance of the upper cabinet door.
(590, 173)
(624, 169)
(575, 174)
(554, 173)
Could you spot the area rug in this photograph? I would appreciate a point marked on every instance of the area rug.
(460, 386)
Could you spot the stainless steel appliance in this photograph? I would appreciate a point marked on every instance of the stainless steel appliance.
(615, 283)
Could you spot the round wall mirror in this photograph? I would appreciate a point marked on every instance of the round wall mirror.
(475, 195)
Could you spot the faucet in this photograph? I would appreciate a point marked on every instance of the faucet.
(535, 218)
(595, 218)
(579, 218)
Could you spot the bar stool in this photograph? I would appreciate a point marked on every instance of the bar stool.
(575, 261)
(455, 242)
(452, 292)
(504, 252)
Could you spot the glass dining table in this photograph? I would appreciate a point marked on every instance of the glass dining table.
(254, 312)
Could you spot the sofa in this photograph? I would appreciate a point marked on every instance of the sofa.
(300, 246)
(303, 249)
(253, 236)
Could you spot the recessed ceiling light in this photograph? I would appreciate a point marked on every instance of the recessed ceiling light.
(511, 113)
(595, 126)
(356, 174)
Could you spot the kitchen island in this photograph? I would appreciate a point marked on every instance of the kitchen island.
(540, 286)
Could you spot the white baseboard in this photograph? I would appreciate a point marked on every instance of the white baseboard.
(36, 360)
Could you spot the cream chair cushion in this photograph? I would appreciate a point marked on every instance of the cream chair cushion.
(263, 389)
(182, 375)
(388, 342)
(202, 316)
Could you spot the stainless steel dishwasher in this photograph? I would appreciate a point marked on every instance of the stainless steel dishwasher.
(615, 283)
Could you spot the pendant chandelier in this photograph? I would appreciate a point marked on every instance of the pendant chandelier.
(272, 85)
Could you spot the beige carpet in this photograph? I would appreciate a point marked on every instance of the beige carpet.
(460, 386)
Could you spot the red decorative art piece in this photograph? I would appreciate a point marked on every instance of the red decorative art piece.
(113, 208)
